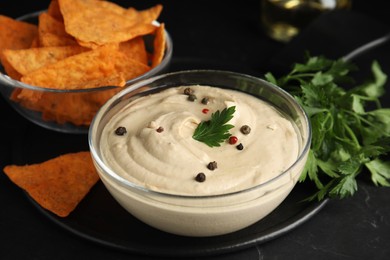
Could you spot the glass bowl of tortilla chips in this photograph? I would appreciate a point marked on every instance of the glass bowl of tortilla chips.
(57, 68)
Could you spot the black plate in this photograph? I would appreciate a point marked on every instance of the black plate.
(99, 218)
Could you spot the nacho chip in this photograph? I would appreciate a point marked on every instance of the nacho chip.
(98, 98)
(111, 23)
(135, 49)
(79, 108)
(130, 68)
(76, 71)
(69, 73)
(58, 184)
(149, 15)
(11, 72)
(54, 10)
(27, 60)
(158, 45)
(35, 42)
(14, 95)
(26, 97)
(68, 107)
(47, 39)
(48, 24)
(76, 108)
(15, 35)
(112, 80)
(118, 36)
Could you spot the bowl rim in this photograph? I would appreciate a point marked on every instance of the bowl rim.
(128, 184)
(4, 78)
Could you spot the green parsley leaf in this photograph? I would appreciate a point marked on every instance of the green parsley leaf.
(216, 130)
(380, 172)
(350, 129)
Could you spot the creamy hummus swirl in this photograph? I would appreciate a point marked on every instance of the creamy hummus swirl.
(168, 160)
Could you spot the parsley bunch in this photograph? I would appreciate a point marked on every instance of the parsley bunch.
(350, 129)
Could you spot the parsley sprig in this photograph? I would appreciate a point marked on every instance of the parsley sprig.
(216, 130)
(350, 129)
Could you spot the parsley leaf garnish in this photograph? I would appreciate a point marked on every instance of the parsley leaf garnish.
(216, 130)
(350, 129)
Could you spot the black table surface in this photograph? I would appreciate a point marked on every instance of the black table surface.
(228, 33)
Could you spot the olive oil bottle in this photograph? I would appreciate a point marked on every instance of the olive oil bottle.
(283, 19)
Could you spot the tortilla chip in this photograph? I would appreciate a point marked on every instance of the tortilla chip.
(68, 107)
(54, 10)
(48, 24)
(15, 35)
(76, 108)
(158, 45)
(111, 23)
(52, 32)
(135, 49)
(47, 39)
(35, 42)
(130, 68)
(26, 97)
(79, 109)
(27, 60)
(9, 69)
(76, 71)
(146, 16)
(118, 36)
(98, 98)
(70, 72)
(58, 184)
(149, 15)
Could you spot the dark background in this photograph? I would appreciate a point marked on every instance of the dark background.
(225, 34)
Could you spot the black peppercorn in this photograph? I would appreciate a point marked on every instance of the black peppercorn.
(192, 97)
(160, 129)
(188, 91)
(121, 130)
(245, 129)
(212, 166)
(200, 177)
(205, 100)
(240, 147)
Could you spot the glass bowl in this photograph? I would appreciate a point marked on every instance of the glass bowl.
(200, 215)
(54, 112)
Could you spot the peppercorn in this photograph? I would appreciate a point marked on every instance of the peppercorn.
(160, 129)
(212, 165)
(121, 130)
(191, 97)
(200, 177)
(233, 139)
(240, 147)
(245, 129)
(205, 100)
(188, 91)
(205, 110)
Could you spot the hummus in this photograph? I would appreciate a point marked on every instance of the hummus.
(154, 145)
